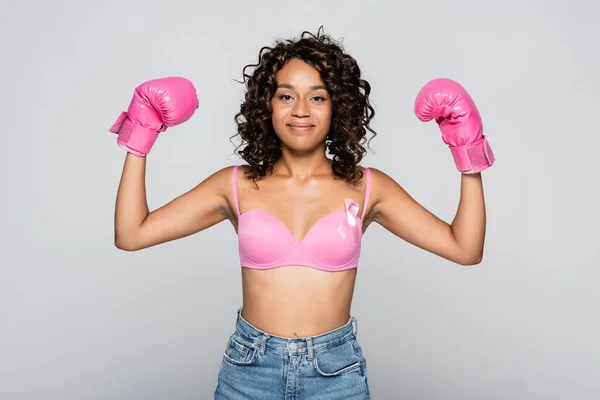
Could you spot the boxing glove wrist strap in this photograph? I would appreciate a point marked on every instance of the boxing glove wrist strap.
(473, 158)
(134, 138)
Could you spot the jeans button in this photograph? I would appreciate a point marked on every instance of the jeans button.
(293, 346)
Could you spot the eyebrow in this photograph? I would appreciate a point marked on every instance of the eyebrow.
(287, 86)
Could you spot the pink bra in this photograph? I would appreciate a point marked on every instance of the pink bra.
(331, 244)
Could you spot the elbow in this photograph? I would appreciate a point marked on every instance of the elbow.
(471, 260)
(125, 245)
(470, 263)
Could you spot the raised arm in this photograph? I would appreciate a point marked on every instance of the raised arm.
(156, 106)
(137, 228)
(450, 106)
(462, 241)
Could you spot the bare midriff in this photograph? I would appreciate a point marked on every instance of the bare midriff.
(295, 301)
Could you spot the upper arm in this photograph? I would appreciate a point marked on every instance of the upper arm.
(201, 207)
(395, 210)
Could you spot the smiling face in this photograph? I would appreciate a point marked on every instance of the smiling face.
(301, 107)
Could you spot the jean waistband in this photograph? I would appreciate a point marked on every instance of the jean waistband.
(304, 345)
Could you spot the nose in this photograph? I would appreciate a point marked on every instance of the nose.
(301, 109)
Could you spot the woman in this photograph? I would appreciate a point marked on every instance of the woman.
(300, 206)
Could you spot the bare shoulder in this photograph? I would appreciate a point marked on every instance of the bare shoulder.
(216, 189)
(378, 175)
(382, 187)
(219, 179)
(226, 179)
(381, 182)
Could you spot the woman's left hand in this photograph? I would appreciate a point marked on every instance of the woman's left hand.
(449, 104)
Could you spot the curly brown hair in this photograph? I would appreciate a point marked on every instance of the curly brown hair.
(352, 110)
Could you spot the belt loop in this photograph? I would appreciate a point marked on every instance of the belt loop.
(354, 326)
(310, 348)
(263, 344)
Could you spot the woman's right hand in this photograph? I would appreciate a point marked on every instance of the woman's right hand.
(156, 105)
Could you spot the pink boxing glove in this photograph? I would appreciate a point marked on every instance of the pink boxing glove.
(449, 104)
(155, 106)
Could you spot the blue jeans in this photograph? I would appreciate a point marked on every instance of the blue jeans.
(259, 366)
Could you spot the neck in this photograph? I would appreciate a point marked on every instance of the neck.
(303, 165)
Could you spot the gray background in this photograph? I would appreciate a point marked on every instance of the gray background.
(81, 319)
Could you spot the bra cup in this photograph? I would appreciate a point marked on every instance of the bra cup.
(257, 230)
(326, 246)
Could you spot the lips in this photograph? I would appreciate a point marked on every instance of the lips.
(301, 127)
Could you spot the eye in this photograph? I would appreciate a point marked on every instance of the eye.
(284, 97)
(319, 98)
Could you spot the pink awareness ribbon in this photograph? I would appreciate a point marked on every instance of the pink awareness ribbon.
(349, 223)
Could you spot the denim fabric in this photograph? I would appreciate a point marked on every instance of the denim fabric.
(259, 366)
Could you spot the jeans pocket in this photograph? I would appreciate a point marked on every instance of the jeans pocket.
(238, 352)
(338, 360)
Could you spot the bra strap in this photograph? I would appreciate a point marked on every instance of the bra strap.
(367, 191)
(234, 187)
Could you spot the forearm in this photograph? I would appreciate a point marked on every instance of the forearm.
(468, 226)
(131, 205)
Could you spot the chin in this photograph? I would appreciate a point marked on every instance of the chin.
(301, 140)
(307, 147)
